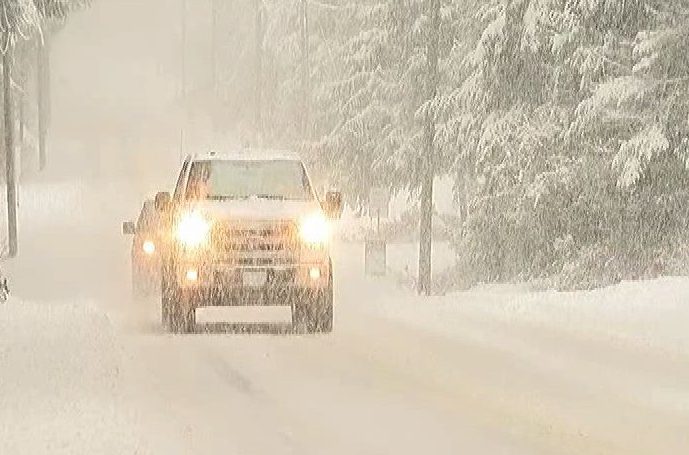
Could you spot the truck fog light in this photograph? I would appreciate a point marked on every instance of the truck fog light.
(149, 247)
(315, 273)
(192, 275)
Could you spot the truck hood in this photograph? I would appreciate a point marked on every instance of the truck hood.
(255, 209)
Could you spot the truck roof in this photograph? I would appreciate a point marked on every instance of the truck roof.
(247, 155)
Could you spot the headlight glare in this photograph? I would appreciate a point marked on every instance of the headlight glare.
(315, 230)
(193, 230)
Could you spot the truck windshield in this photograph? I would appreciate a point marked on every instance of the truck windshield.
(268, 179)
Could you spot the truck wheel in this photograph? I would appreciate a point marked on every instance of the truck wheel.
(182, 314)
(176, 308)
(314, 314)
(166, 298)
(183, 319)
(325, 317)
(165, 314)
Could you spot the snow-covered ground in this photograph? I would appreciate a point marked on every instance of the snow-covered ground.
(61, 389)
(498, 369)
(84, 369)
(602, 371)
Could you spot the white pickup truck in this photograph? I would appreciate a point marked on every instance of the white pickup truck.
(247, 229)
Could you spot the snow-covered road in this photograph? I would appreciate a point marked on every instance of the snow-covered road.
(85, 369)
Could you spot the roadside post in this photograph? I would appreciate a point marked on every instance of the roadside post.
(376, 247)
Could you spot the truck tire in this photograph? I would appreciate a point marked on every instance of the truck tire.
(325, 315)
(176, 309)
(182, 315)
(314, 314)
(165, 299)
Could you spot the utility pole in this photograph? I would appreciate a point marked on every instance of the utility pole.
(306, 70)
(428, 169)
(183, 74)
(259, 73)
(10, 174)
(215, 80)
(43, 95)
(183, 51)
(214, 45)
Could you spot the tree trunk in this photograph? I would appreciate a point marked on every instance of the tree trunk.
(426, 233)
(22, 119)
(10, 174)
(463, 200)
(43, 97)
(428, 166)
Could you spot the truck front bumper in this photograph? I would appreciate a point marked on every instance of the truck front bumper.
(221, 285)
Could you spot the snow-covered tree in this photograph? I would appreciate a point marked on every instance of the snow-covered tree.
(566, 108)
(18, 21)
(563, 121)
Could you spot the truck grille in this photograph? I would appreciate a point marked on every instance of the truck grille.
(256, 244)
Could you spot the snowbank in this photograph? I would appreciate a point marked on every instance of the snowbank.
(60, 381)
(649, 315)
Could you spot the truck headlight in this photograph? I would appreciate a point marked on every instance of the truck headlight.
(193, 230)
(314, 230)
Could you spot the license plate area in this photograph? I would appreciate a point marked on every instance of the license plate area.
(249, 314)
(254, 278)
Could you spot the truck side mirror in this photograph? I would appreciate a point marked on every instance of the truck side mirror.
(128, 228)
(333, 205)
(163, 201)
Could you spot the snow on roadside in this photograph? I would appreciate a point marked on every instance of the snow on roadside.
(649, 314)
(641, 314)
(60, 381)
